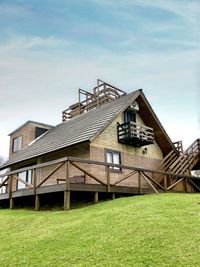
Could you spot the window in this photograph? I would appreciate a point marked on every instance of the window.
(17, 143)
(114, 157)
(3, 188)
(26, 176)
(39, 131)
(129, 116)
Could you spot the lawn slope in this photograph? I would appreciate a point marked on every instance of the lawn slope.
(151, 230)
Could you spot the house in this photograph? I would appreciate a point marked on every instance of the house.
(110, 141)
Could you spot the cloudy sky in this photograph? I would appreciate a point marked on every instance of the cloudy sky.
(49, 49)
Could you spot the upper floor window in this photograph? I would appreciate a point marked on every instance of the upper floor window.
(17, 144)
(129, 116)
(114, 157)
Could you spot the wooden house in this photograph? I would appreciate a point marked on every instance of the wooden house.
(109, 141)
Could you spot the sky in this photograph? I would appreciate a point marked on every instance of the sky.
(49, 49)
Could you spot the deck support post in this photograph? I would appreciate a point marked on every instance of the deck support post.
(108, 177)
(185, 185)
(67, 190)
(165, 183)
(139, 183)
(11, 204)
(37, 202)
(66, 200)
(113, 195)
(96, 197)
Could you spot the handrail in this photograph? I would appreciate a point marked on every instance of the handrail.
(132, 129)
(101, 163)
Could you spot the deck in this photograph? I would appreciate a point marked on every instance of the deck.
(67, 184)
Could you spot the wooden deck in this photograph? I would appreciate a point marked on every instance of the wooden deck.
(37, 188)
(76, 187)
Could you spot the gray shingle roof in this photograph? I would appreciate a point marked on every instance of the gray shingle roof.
(79, 129)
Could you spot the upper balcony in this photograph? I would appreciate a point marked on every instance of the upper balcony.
(130, 133)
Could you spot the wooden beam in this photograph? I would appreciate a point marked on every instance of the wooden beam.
(4, 182)
(87, 173)
(147, 180)
(126, 177)
(50, 174)
(196, 186)
(174, 184)
(81, 160)
(154, 181)
(22, 181)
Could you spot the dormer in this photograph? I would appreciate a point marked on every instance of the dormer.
(25, 134)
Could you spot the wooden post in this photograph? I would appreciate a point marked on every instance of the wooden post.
(11, 204)
(37, 202)
(37, 198)
(96, 197)
(98, 93)
(113, 195)
(185, 185)
(66, 200)
(165, 183)
(139, 183)
(108, 177)
(67, 189)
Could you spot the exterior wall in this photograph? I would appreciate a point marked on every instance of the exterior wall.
(131, 156)
(79, 151)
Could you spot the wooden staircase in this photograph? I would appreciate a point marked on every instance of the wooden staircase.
(180, 162)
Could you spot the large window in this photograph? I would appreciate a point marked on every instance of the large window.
(114, 157)
(25, 176)
(17, 143)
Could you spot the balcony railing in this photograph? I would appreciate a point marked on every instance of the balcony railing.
(130, 133)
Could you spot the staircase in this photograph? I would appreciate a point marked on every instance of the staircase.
(180, 162)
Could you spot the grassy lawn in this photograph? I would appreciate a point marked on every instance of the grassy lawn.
(151, 230)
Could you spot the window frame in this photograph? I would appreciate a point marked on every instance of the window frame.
(19, 147)
(111, 151)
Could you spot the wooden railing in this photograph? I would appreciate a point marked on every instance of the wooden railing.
(135, 133)
(67, 162)
(181, 162)
(179, 147)
(101, 94)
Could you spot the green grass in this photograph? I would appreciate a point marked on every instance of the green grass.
(152, 230)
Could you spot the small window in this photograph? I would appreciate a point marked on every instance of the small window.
(17, 143)
(129, 116)
(39, 131)
(114, 157)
